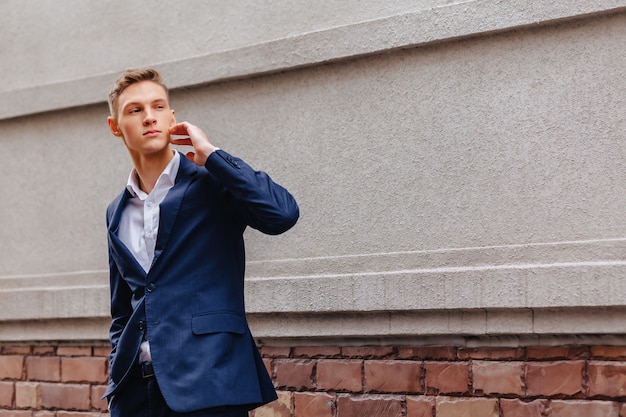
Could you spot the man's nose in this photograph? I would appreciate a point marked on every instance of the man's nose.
(148, 118)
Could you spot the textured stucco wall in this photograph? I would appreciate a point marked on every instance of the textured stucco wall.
(92, 37)
(458, 165)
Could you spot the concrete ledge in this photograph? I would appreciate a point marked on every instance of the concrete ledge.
(548, 275)
(533, 289)
(459, 327)
(75, 295)
(75, 329)
(530, 324)
(458, 20)
(488, 287)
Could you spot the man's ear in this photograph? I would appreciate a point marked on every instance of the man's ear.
(173, 118)
(113, 127)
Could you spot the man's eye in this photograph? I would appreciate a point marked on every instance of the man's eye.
(134, 110)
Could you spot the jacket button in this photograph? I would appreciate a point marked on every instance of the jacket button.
(150, 288)
(141, 326)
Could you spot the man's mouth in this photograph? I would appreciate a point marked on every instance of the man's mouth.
(151, 132)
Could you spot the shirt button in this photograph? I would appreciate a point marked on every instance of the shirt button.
(150, 288)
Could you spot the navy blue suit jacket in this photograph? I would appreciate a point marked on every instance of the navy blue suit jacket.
(191, 302)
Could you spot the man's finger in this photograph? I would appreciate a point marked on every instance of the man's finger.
(179, 129)
(181, 141)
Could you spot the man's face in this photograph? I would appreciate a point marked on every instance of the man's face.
(143, 119)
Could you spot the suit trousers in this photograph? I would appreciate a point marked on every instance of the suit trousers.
(141, 397)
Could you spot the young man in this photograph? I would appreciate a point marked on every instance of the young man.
(180, 340)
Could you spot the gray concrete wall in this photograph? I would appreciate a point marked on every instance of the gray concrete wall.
(458, 164)
(48, 42)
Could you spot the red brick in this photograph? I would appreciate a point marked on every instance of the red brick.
(84, 369)
(470, 407)
(268, 366)
(74, 351)
(43, 368)
(609, 352)
(16, 413)
(44, 413)
(554, 378)
(96, 397)
(447, 377)
(557, 352)
(44, 351)
(492, 377)
(368, 405)
(275, 352)
(367, 352)
(393, 376)
(316, 351)
(340, 375)
(561, 408)
(296, 374)
(491, 353)
(622, 410)
(27, 395)
(518, 408)
(446, 353)
(11, 367)
(65, 396)
(16, 350)
(318, 404)
(607, 379)
(102, 351)
(420, 406)
(282, 407)
(7, 392)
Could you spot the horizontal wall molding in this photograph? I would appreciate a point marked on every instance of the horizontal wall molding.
(70, 330)
(451, 326)
(454, 21)
(531, 289)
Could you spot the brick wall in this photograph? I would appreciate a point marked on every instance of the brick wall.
(565, 381)
(53, 381)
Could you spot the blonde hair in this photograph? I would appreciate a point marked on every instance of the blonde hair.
(128, 78)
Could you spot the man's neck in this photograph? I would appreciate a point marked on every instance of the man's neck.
(150, 167)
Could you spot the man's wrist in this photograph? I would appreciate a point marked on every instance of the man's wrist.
(205, 153)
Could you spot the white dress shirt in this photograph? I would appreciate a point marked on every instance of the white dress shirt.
(139, 222)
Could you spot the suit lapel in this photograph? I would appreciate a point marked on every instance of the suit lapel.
(117, 246)
(115, 212)
(171, 205)
(125, 260)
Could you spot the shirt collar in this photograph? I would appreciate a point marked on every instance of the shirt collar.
(165, 180)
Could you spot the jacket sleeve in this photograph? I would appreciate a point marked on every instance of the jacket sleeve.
(266, 206)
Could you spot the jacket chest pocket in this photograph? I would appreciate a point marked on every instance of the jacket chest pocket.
(217, 322)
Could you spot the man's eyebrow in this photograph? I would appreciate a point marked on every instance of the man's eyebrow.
(140, 103)
(131, 103)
